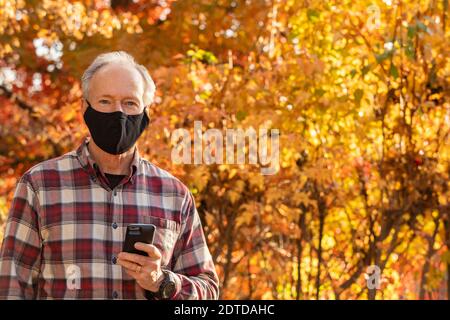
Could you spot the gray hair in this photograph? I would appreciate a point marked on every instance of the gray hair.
(119, 57)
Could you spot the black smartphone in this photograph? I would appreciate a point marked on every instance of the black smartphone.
(138, 232)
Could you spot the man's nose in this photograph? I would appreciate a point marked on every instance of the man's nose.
(118, 106)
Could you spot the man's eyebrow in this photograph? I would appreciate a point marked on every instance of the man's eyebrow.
(127, 97)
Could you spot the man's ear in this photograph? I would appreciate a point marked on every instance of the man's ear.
(147, 110)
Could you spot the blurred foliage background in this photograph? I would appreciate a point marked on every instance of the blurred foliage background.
(358, 89)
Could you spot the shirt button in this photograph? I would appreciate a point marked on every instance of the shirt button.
(115, 295)
(114, 260)
(114, 225)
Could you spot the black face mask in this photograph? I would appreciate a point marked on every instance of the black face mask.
(114, 132)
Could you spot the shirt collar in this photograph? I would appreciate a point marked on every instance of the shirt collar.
(90, 166)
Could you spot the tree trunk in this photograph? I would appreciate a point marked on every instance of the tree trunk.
(319, 250)
(301, 224)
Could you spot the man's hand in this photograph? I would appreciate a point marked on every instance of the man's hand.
(145, 270)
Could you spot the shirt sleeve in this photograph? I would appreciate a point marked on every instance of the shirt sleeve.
(194, 271)
(21, 247)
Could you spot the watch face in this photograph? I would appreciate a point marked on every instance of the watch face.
(168, 290)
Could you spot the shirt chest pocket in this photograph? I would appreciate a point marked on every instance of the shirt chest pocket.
(166, 236)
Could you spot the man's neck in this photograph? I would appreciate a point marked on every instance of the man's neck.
(111, 163)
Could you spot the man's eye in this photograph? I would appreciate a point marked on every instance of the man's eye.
(131, 103)
(103, 101)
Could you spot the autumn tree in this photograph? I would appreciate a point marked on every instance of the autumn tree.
(358, 90)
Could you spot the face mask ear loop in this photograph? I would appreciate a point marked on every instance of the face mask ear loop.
(148, 118)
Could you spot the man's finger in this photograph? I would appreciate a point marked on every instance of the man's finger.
(127, 264)
(133, 267)
(145, 274)
(136, 258)
(151, 250)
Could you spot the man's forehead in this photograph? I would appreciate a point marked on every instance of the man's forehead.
(114, 77)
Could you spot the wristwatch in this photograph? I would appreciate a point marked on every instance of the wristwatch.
(166, 289)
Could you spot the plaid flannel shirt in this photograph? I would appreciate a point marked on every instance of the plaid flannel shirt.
(66, 226)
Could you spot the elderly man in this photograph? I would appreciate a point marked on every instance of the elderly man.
(66, 227)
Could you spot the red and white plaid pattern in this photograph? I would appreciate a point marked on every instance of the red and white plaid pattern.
(64, 217)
